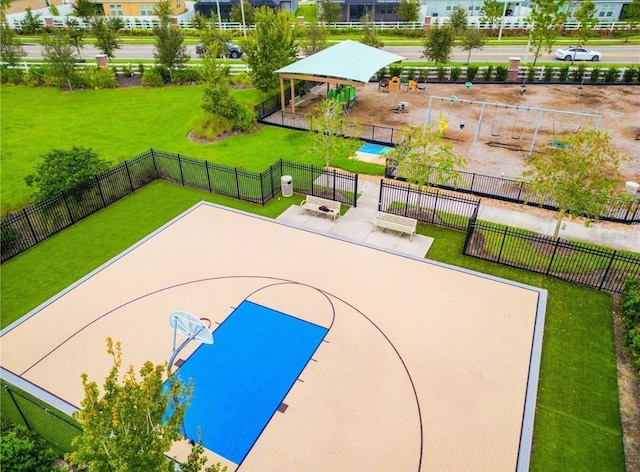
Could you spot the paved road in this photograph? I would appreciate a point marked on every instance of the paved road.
(618, 54)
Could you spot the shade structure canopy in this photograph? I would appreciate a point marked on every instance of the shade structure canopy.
(348, 62)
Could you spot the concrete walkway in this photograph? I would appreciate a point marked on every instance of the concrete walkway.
(357, 225)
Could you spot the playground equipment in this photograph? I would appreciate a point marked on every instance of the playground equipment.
(344, 94)
(510, 121)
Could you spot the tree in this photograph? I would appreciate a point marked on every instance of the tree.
(11, 50)
(425, 158)
(129, 426)
(271, 46)
(31, 23)
(491, 11)
(106, 33)
(329, 11)
(579, 177)
(408, 10)
(458, 20)
(58, 54)
(170, 50)
(472, 39)
(586, 17)
(315, 39)
(217, 99)
(328, 126)
(249, 13)
(631, 13)
(76, 34)
(64, 170)
(438, 44)
(369, 32)
(85, 9)
(546, 18)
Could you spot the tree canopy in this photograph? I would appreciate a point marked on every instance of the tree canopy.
(271, 46)
(581, 177)
(546, 19)
(170, 50)
(58, 54)
(438, 44)
(63, 170)
(329, 11)
(408, 10)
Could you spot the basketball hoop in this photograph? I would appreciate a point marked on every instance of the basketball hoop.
(192, 328)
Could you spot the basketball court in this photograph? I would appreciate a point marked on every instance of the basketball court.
(327, 355)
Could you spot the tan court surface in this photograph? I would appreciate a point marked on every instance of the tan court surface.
(424, 367)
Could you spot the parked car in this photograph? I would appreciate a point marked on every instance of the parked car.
(229, 49)
(577, 53)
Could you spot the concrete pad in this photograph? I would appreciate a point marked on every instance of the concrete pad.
(353, 229)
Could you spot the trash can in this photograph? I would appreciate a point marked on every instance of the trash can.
(632, 187)
(286, 184)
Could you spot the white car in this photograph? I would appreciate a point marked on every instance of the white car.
(577, 53)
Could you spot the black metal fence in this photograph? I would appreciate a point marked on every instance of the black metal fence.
(584, 264)
(512, 190)
(21, 230)
(506, 189)
(21, 409)
(427, 205)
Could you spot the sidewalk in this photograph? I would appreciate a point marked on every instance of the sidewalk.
(357, 225)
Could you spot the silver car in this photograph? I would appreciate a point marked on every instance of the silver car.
(577, 53)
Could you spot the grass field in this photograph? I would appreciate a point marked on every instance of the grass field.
(121, 123)
(578, 420)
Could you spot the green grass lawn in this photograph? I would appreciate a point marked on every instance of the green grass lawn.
(578, 421)
(121, 123)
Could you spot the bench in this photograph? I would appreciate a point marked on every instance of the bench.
(321, 205)
(396, 222)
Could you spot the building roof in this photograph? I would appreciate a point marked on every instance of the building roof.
(348, 60)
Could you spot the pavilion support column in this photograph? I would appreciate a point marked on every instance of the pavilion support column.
(293, 95)
(282, 94)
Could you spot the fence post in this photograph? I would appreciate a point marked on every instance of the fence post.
(104, 202)
(355, 191)
(473, 180)
(126, 166)
(66, 204)
(206, 166)
(271, 180)
(334, 184)
(24, 418)
(380, 194)
(262, 189)
(435, 207)
(237, 182)
(155, 166)
(504, 237)
(606, 273)
(181, 173)
(553, 256)
(406, 203)
(520, 191)
(33, 231)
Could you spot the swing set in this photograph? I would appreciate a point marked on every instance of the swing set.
(524, 120)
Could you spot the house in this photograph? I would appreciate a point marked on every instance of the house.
(136, 7)
(18, 6)
(209, 8)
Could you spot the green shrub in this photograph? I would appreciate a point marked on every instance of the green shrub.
(595, 75)
(240, 79)
(22, 451)
(141, 68)
(501, 73)
(563, 74)
(411, 73)
(548, 73)
(629, 74)
(630, 313)
(9, 235)
(245, 119)
(487, 73)
(611, 75)
(36, 76)
(395, 71)
(79, 80)
(11, 76)
(531, 74)
(187, 76)
(472, 72)
(102, 78)
(578, 73)
(441, 73)
(422, 75)
(152, 78)
(455, 73)
(381, 73)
